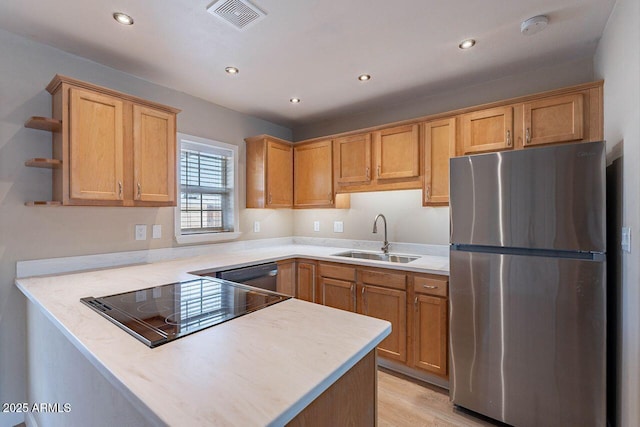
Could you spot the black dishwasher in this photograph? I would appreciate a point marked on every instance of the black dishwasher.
(263, 276)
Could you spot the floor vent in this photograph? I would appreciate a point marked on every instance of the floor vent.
(239, 13)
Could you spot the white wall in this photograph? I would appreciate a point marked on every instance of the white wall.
(533, 81)
(26, 68)
(617, 61)
(407, 220)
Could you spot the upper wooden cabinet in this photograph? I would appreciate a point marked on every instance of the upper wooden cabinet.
(396, 152)
(313, 175)
(439, 145)
(352, 159)
(113, 149)
(554, 119)
(487, 130)
(269, 172)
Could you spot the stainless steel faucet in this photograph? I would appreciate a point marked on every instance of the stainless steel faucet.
(385, 244)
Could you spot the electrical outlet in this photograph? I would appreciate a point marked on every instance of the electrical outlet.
(316, 225)
(626, 239)
(156, 231)
(141, 232)
(338, 227)
(256, 226)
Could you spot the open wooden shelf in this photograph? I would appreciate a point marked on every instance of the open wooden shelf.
(43, 203)
(39, 162)
(43, 123)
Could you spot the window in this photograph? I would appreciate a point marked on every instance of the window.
(207, 208)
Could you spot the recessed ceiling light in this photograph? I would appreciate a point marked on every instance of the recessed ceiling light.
(123, 18)
(295, 100)
(232, 70)
(466, 44)
(364, 77)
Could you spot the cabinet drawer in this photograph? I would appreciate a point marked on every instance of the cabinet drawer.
(384, 278)
(337, 272)
(430, 286)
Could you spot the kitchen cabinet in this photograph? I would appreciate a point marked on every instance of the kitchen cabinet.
(554, 119)
(439, 145)
(337, 285)
(286, 278)
(383, 295)
(313, 175)
(430, 324)
(109, 148)
(269, 172)
(396, 152)
(352, 159)
(487, 130)
(306, 280)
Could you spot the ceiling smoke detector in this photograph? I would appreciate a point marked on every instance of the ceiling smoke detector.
(534, 25)
(239, 13)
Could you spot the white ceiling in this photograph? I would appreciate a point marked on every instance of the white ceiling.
(313, 49)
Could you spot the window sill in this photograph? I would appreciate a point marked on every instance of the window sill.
(185, 239)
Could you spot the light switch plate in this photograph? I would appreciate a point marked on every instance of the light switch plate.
(338, 227)
(316, 225)
(156, 231)
(256, 226)
(625, 241)
(141, 231)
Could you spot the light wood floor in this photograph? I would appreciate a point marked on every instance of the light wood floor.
(403, 401)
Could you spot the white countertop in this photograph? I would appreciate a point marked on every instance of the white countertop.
(263, 368)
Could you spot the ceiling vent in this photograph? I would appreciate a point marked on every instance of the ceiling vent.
(239, 13)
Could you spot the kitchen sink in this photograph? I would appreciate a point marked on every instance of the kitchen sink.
(403, 259)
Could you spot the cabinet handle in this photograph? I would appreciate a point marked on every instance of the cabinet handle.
(429, 287)
(270, 198)
(367, 172)
(508, 138)
(428, 193)
(528, 136)
(378, 171)
(120, 189)
(139, 191)
(415, 302)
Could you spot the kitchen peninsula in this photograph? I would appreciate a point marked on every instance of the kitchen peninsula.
(264, 368)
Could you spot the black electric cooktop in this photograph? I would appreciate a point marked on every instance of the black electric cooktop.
(165, 313)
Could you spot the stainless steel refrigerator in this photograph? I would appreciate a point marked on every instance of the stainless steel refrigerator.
(527, 285)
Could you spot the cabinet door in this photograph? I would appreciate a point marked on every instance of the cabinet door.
(430, 334)
(555, 119)
(352, 159)
(439, 147)
(154, 155)
(488, 130)
(397, 152)
(279, 175)
(286, 278)
(306, 283)
(96, 146)
(338, 293)
(313, 175)
(390, 305)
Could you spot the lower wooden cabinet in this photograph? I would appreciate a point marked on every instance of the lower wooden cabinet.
(390, 305)
(430, 325)
(338, 293)
(306, 280)
(286, 278)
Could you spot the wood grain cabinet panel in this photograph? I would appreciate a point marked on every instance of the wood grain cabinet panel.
(154, 155)
(338, 293)
(352, 159)
(96, 146)
(286, 278)
(112, 149)
(430, 334)
(439, 145)
(554, 119)
(396, 152)
(488, 130)
(390, 305)
(269, 173)
(313, 175)
(306, 281)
